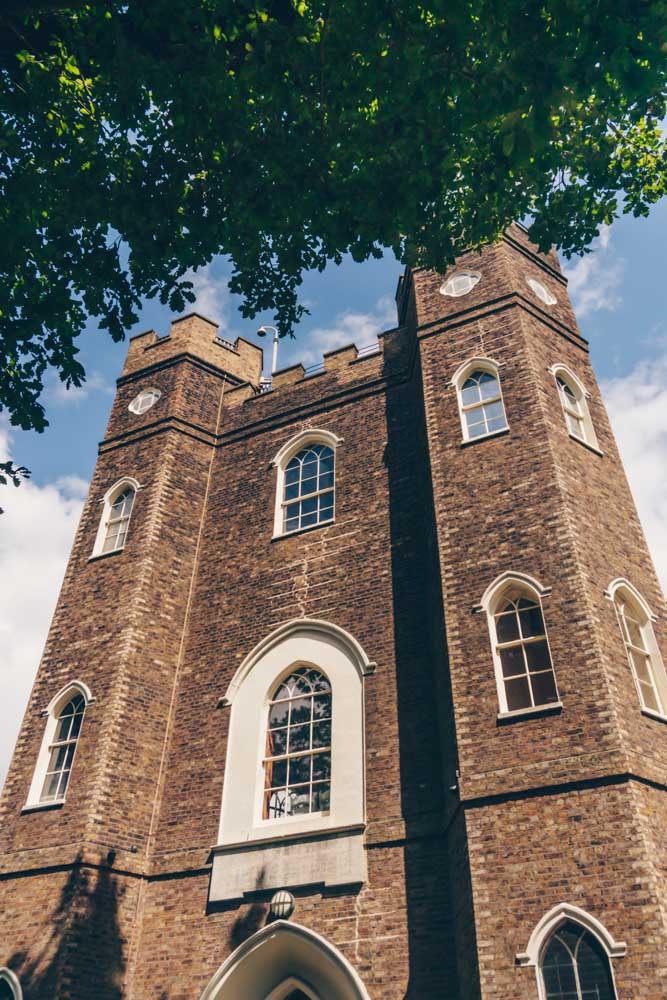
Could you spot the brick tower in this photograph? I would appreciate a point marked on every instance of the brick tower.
(354, 687)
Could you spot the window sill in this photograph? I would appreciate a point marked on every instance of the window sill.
(586, 444)
(485, 437)
(302, 531)
(105, 555)
(554, 708)
(654, 715)
(30, 807)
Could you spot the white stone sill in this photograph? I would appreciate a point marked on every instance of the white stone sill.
(42, 806)
(586, 444)
(649, 713)
(526, 713)
(275, 836)
(303, 531)
(106, 555)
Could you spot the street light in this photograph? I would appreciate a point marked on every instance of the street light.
(262, 332)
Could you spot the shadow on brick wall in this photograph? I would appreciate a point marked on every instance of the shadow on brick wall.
(81, 955)
(437, 897)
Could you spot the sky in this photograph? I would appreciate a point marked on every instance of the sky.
(618, 292)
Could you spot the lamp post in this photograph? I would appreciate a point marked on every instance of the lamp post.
(262, 332)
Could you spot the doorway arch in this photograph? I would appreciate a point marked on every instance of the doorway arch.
(284, 957)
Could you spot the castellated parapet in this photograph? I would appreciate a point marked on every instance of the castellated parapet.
(489, 775)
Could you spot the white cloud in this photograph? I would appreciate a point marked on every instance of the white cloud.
(212, 294)
(36, 534)
(594, 279)
(637, 405)
(57, 391)
(348, 328)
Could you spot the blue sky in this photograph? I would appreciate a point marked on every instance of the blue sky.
(619, 295)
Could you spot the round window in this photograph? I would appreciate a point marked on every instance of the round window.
(542, 292)
(144, 401)
(460, 283)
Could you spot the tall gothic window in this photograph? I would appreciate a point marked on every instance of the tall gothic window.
(643, 653)
(524, 670)
(297, 762)
(115, 520)
(573, 398)
(308, 489)
(576, 967)
(62, 748)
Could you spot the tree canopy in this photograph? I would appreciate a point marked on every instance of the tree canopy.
(138, 139)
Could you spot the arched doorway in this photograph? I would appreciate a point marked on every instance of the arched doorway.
(284, 961)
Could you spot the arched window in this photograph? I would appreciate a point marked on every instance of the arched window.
(115, 521)
(480, 398)
(524, 671)
(306, 487)
(10, 988)
(297, 762)
(575, 966)
(574, 401)
(644, 657)
(293, 799)
(61, 736)
(460, 283)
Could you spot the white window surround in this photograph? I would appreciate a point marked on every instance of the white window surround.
(243, 831)
(539, 289)
(460, 283)
(7, 976)
(620, 589)
(127, 482)
(283, 457)
(550, 923)
(490, 600)
(292, 955)
(290, 984)
(582, 395)
(144, 400)
(51, 712)
(457, 381)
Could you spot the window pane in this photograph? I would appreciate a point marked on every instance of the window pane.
(276, 742)
(544, 688)
(276, 774)
(276, 804)
(470, 392)
(299, 769)
(278, 714)
(322, 734)
(493, 410)
(518, 694)
(322, 706)
(488, 385)
(594, 972)
(321, 797)
(537, 655)
(326, 481)
(50, 786)
(292, 472)
(512, 661)
(531, 622)
(558, 973)
(308, 486)
(299, 800)
(63, 728)
(507, 628)
(649, 696)
(474, 430)
(635, 633)
(327, 460)
(301, 710)
(291, 492)
(299, 738)
(321, 766)
(291, 524)
(641, 664)
(497, 423)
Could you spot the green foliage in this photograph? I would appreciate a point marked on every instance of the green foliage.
(140, 138)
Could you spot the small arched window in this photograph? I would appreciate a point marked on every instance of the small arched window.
(297, 761)
(306, 487)
(524, 670)
(144, 401)
(10, 988)
(460, 283)
(643, 653)
(574, 401)
(480, 399)
(575, 966)
(61, 736)
(115, 520)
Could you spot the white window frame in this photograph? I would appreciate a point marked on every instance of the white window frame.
(541, 291)
(136, 404)
(493, 595)
(549, 925)
(52, 714)
(282, 459)
(290, 984)
(475, 276)
(7, 976)
(622, 590)
(107, 501)
(462, 373)
(582, 395)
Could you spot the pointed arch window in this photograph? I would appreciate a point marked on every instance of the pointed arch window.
(525, 675)
(64, 718)
(644, 657)
(115, 520)
(10, 987)
(574, 403)
(481, 405)
(575, 966)
(297, 762)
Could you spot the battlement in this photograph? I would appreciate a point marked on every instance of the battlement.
(196, 335)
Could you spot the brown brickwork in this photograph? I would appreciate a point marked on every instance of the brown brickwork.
(475, 826)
